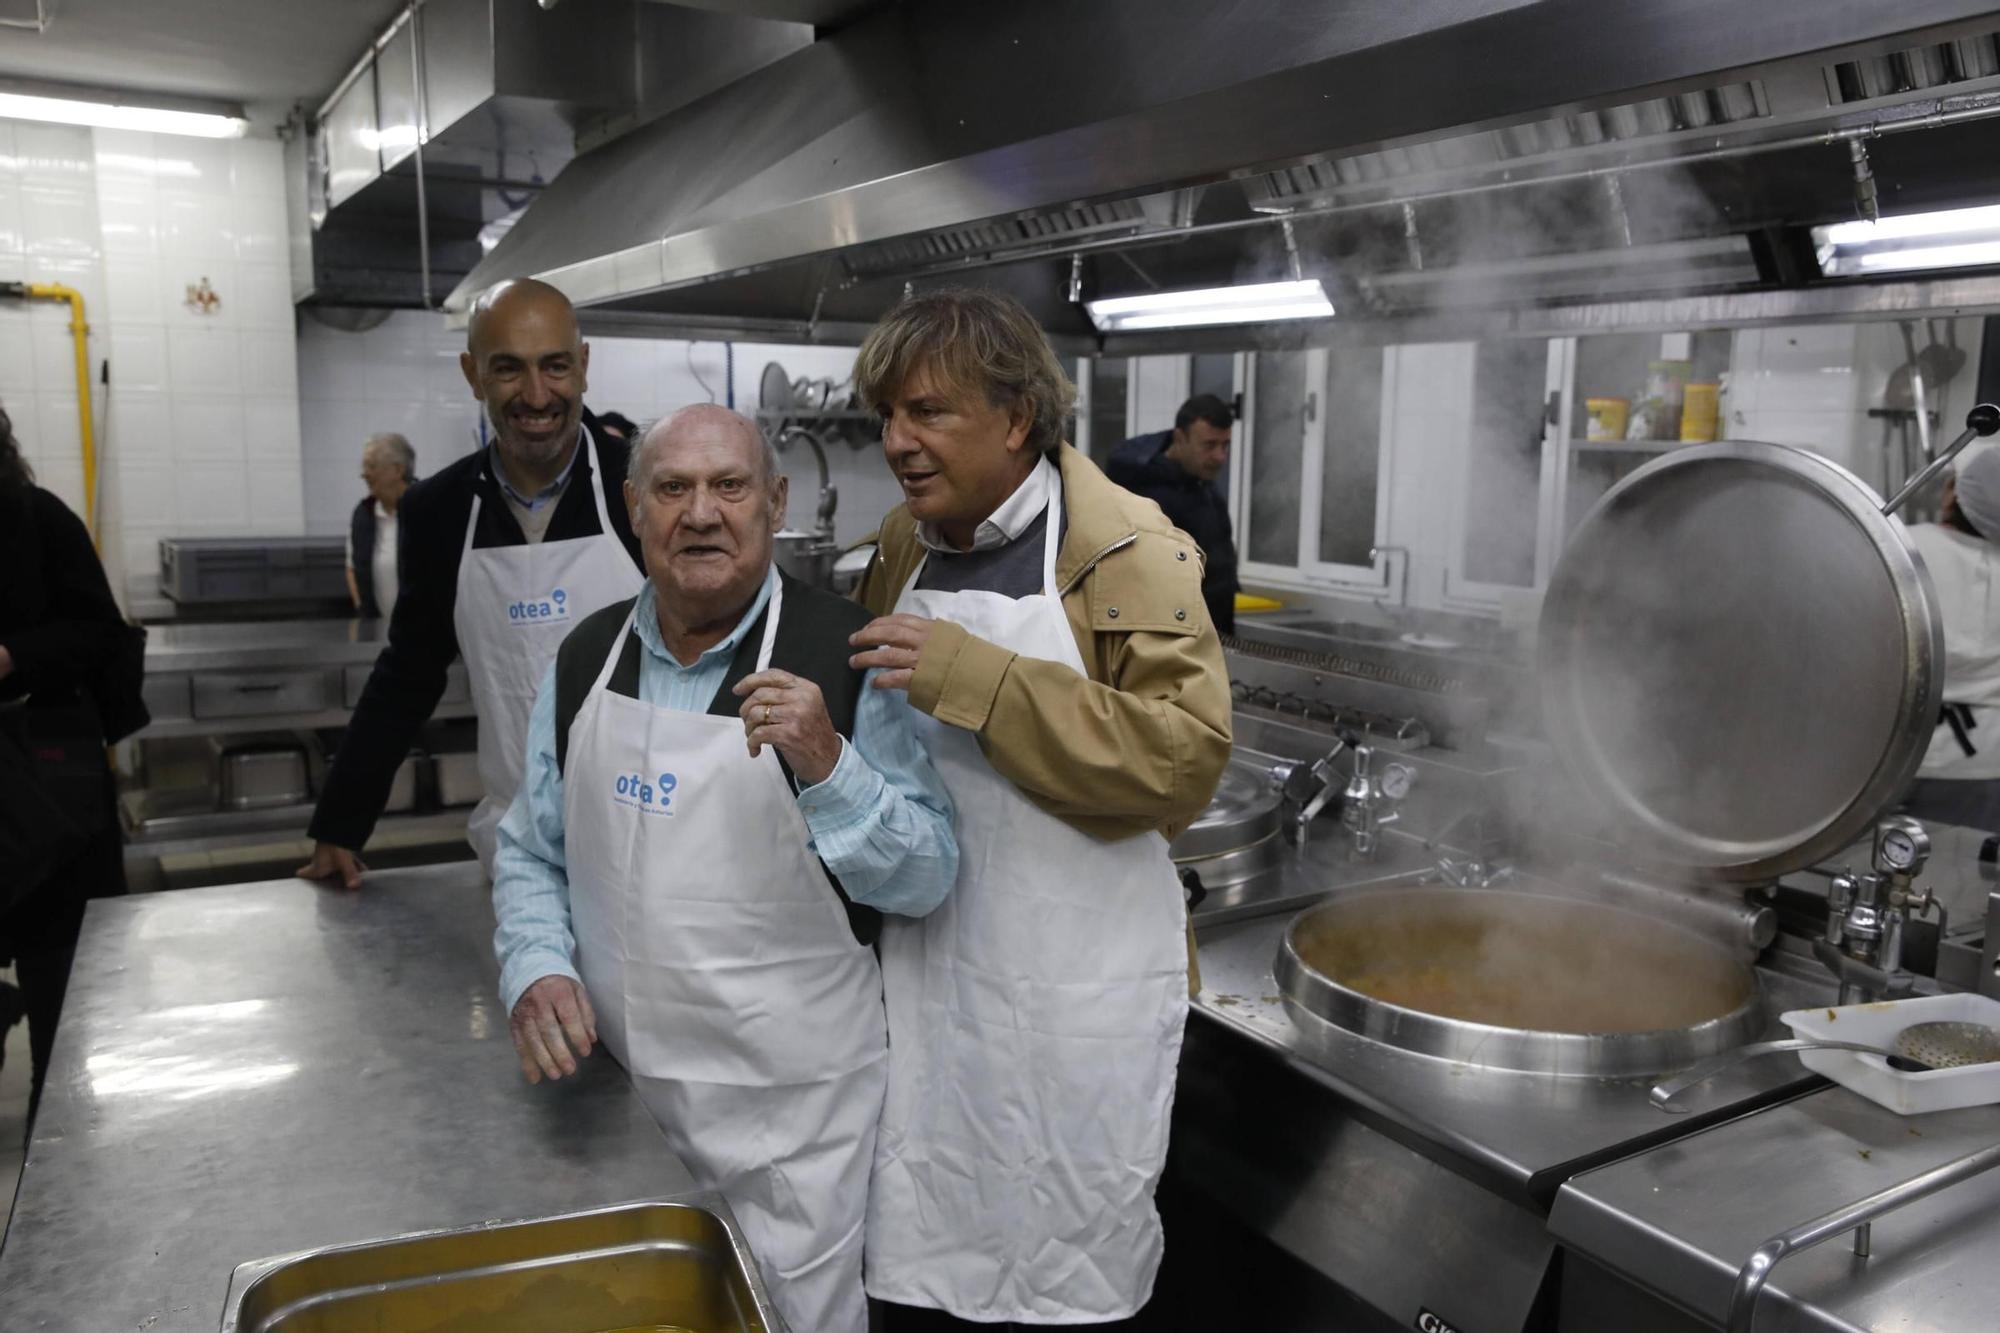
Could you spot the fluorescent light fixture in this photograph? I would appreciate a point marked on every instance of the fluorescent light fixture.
(1952, 238)
(117, 116)
(1255, 303)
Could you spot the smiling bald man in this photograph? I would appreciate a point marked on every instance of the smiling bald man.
(501, 553)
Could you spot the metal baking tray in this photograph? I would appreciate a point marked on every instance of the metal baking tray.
(676, 1263)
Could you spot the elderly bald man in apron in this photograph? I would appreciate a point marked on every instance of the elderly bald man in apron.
(1959, 781)
(714, 812)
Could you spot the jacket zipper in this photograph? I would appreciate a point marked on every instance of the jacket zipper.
(1092, 563)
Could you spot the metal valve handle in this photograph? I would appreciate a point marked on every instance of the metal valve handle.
(1981, 420)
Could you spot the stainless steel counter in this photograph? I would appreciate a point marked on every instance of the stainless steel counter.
(1679, 1221)
(259, 644)
(247, 1071)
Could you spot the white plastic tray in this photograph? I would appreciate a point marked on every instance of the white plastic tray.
(1877, 1025)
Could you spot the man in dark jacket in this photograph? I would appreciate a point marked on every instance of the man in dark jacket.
(1176, 469)
(499, 554)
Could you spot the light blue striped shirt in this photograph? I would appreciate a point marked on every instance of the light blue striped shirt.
(881, 820)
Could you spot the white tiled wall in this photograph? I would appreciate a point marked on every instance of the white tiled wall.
(203, 427)
(1812, 386)
(403, 375)
(48, 233)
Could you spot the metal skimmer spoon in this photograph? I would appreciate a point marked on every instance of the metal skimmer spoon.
(1919, 1047)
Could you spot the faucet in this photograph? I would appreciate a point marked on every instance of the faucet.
(1867, 913)
(1310, 788)
(829, 494)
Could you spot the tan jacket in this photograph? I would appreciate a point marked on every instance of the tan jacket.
(1137, 744)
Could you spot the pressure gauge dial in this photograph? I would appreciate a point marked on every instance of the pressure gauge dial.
(1901, 846)
(1396, 780)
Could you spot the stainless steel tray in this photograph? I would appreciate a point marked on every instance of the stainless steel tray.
(676, 1263)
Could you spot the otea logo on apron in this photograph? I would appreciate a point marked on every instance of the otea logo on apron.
(647, 797)
(538, 610)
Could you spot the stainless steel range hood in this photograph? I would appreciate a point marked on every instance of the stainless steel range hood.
(1166, 140)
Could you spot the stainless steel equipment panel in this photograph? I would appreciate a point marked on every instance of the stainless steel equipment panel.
(168, 698)
(1409, 1236)
(251, 693)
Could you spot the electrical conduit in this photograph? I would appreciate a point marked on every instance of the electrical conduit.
(80, 333)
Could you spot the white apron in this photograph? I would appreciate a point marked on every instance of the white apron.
(513, 606)
(727, 980)
(1034, 1034)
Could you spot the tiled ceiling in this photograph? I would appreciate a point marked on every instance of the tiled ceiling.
(250, 51)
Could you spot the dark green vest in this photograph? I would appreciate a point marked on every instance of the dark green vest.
(811, 642)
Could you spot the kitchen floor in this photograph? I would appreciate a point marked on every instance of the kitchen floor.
(13, 1111)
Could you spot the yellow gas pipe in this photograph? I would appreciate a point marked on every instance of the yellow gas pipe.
(80, 333)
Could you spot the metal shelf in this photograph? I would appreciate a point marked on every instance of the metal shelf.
(173, 728)
(1628, 446)
(202, 832)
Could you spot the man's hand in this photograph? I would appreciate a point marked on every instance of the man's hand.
(788, 713)
(552, 1017)
(892, 646)
(336, 863)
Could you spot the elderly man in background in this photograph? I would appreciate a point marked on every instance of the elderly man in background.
(1048, 625)
(388, 466)
(714, 811)
(1959, 782)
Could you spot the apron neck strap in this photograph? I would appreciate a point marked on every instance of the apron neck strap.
(589, 441)
(585, 440)
(771, 610)
(618, 640)
(1052, 530)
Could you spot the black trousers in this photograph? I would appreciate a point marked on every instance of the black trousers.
(917, 1319)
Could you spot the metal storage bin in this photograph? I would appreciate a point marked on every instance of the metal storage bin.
(651, 1265)
(258, 774)
(248, 569)
(250, 693)
(458, 779)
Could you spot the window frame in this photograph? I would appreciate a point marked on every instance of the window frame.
(1382, 580)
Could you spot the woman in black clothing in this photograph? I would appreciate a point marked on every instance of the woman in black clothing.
(60, 636)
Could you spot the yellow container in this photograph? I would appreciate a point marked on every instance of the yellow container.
(1700, 413)
(1606, 418)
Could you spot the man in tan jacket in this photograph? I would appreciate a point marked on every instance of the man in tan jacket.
(1050, 630)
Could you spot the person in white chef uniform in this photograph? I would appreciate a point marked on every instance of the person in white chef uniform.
(715, 808)
(502, 552)
(1959, 782)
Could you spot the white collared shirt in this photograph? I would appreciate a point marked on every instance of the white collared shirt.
(1028, 502)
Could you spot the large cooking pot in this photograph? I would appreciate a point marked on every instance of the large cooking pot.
(1517, 980)
(1739, 661)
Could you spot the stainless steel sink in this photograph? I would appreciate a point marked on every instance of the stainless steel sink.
(678, 1264)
